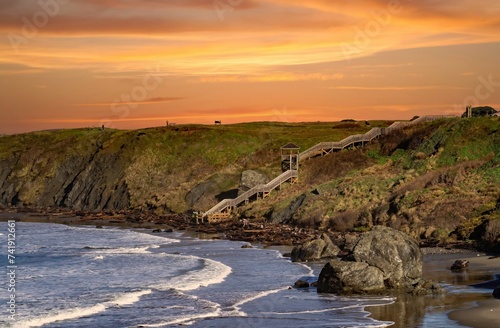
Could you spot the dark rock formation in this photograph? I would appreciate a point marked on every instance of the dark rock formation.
(350, 241)
(80, 179)
(425, 287)
(286, 215)
(204, 194)
(301, 284)
(496, 293)
(384, 260)
(206, 188)
(396, 254)
(350, 278)
(460, 265)
(315, 249)
(488, 234)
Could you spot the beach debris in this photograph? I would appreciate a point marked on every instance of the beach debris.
(460, 265)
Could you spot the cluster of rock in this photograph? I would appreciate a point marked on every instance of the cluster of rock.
(382, 260)
(316, 249)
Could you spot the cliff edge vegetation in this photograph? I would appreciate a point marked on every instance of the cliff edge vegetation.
(150, 169)
(439, 181)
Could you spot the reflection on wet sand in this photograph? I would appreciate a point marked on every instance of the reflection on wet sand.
(464, 288)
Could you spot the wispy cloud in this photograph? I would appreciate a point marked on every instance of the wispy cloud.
(276, 77)
(398, 88)
(150, 101)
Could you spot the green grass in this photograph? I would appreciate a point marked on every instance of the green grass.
(165, 163)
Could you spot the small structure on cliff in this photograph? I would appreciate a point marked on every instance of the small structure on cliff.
(290, 157)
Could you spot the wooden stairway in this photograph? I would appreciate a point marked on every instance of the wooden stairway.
(223, 209)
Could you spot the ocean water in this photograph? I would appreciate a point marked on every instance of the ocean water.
(87, 277)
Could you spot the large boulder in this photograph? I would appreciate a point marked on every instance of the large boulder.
(250, 179)
(396, 254)
(383, 260)
(315, 250)
(496, 293)
(341, 277)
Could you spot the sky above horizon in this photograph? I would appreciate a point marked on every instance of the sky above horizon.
(131, 64)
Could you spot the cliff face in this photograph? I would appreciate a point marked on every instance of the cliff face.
(437, 180)
(158, 169)
(63, 170)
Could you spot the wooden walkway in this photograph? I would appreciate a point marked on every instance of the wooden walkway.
(259, 191)
(324, 148)
(222, 210)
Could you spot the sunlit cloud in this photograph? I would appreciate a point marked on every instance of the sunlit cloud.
(399, 88)
(280, 77)
(150, 101)
(328, 58)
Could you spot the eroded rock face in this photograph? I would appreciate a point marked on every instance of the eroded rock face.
(250, 179)
(199, 191)
(396, 254)
(315, 250)
(286, 215)
(341, 277)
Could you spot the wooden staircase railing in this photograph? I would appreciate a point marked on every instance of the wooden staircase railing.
(228, 204)
(318, 149)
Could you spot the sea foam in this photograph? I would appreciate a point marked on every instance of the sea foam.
(75, 313)
(213, 272)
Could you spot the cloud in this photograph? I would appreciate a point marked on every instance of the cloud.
(398, 88)
(187, 37)
(150, 101)
(275, 77)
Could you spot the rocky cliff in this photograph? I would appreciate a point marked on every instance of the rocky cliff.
(159, 169)
(439, 181)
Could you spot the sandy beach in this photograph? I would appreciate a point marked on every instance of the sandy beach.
(470, 302)
(484, 313)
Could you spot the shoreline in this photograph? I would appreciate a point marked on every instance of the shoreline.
(467, 308)
(253, 232)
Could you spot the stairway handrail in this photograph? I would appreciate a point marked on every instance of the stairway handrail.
(285, 176)
(268, 187)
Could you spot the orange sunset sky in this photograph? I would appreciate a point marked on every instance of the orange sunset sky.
(131, 64)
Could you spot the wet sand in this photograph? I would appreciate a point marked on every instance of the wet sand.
(469, 301)
(463, 305)
(484, 313)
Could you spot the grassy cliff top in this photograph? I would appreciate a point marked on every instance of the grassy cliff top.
(160, 165)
